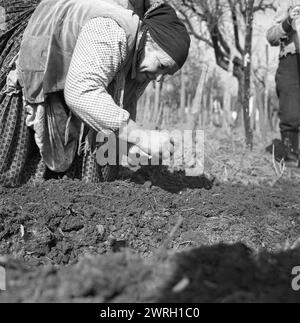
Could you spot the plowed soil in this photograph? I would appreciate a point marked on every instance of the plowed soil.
(154, 237)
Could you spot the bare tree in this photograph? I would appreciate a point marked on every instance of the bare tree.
(224, 25)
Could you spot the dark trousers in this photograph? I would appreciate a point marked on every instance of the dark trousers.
(288, 89)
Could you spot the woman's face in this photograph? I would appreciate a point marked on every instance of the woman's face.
(154, 64)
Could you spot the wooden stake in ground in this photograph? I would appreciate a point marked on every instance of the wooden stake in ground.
(157, 103)
(196, 108)
(266, 91)
(227, 93)
(182, 96)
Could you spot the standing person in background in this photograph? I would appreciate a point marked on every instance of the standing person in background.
(283, 34)
(81, 68)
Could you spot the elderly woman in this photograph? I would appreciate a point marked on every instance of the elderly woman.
(283, 34)
(81, 67)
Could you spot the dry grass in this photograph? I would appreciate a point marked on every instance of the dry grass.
(227, 158)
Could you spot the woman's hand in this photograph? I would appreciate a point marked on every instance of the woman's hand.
(156, 144)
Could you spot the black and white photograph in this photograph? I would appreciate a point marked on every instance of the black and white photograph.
(149, 155)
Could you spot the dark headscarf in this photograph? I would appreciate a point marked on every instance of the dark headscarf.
(168, 32)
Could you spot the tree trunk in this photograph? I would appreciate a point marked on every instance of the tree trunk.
(247, 74)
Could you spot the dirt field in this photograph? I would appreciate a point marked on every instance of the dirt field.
(156, 236)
